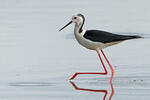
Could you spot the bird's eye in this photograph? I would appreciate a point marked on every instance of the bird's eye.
(75, 17)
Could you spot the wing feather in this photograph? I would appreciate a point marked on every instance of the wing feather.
(106, 37)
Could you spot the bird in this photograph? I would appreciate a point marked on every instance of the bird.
(96, 40)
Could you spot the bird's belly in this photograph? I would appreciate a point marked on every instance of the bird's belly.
(90, 44)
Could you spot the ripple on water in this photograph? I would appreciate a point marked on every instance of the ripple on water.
(30, 84)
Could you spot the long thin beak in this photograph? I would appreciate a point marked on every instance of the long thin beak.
(66, 25)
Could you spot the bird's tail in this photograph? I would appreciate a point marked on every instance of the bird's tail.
(134, 37)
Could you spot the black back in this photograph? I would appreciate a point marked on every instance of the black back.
(106, 37)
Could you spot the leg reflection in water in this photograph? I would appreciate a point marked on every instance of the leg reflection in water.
(92, 90)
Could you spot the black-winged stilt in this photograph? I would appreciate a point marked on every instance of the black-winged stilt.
(95, 40)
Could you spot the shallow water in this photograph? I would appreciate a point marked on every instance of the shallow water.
(37, 61)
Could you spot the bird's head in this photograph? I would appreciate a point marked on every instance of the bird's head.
(77, 19)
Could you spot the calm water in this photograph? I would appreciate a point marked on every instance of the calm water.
(37, 61)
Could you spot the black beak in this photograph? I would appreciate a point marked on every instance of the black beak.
(66, 25)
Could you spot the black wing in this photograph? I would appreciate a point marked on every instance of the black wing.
(106, 37)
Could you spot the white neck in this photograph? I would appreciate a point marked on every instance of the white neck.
(77, 29)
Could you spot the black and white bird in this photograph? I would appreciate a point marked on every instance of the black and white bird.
(95, 40)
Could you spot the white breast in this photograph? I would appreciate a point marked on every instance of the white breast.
(88, 43)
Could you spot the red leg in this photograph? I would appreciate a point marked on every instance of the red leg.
(112, 88)
(108, 62)
(112, 70)
(92, 72)
(102, 63)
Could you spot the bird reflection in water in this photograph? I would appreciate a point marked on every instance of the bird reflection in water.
(93, 90)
